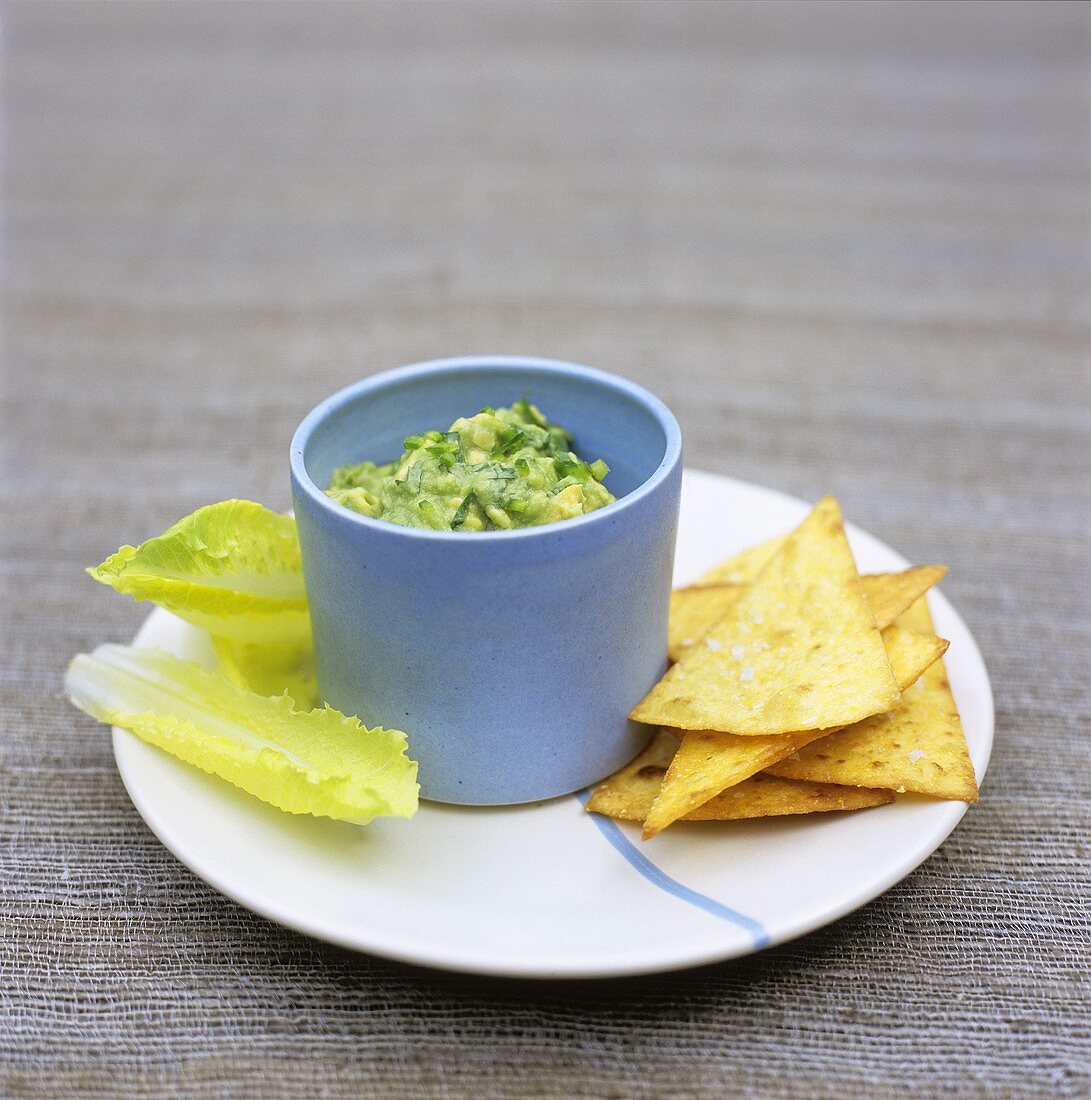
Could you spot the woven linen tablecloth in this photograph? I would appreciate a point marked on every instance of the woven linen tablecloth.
(848, 246)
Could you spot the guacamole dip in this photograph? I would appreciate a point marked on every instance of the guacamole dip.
(499, 469)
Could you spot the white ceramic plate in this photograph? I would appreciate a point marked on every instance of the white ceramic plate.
(547, 890)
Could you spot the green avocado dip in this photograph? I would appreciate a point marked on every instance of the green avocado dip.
(500, 469)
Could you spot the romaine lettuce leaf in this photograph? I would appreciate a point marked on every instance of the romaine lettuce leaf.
(270, 669)
(305, 762)
(232, 569)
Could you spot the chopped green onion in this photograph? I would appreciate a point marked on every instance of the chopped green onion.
(416, 473)
(568, 467)
(412, 442)
(522, 467)
(433, 436)
(599, 469)
(518, 505)
(446, 460)
(488, 410)
(529, 413)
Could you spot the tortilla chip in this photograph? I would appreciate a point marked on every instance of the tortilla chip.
(759, 797)
(695, 610)
(741, 568)
(707, 763)
(629, 793)
(918, 747)
(890, 594)
(798, 650)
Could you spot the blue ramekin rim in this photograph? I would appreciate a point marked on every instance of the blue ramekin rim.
(672, 453)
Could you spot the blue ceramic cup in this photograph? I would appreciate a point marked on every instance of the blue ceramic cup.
(510, 658)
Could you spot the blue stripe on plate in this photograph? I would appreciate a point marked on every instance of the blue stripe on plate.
(640, 862)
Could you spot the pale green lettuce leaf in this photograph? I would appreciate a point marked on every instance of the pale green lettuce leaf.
(270, 669)
(305, 762)
(232, 569)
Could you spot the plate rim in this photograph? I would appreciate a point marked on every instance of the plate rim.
(474, 963)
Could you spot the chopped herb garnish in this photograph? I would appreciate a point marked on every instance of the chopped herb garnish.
(599, 469)
(511, 439)
(459, 518)
(412, 442)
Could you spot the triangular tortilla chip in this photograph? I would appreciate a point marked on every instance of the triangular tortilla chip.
(695, 610)
(918, 747)
(798, 649)
(707, 763)
(629, 793)
(741, 568)
(890, 594)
